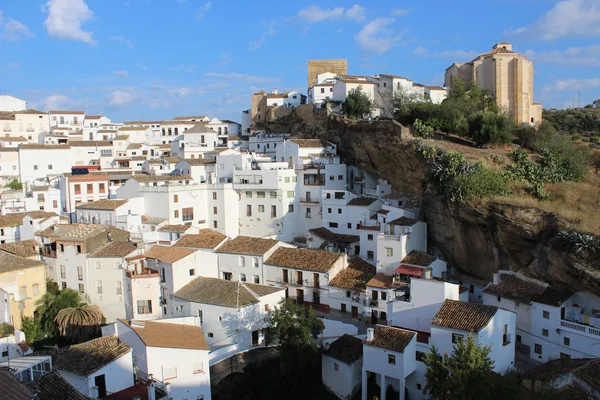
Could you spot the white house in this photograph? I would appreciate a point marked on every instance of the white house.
(347, 290)
(71, 120)
(39, 161)
(229, 312)
(341, 366)
(344, 86)
(13, 345)
(11, 103)
(436, 94)
(31, 125)
(389, 355)
(242, 259)
(324, 239)
(175, 353)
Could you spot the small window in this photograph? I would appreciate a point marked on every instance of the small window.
(546, 314)
(261, 208)
(242, 277)
(62, 248)
(370, 255)
(175, 198)
(198, 368)
(273, 195)
(332, 178)
(256, 279)
(339, 210)
(392, 359)
(349, 225)
(329, 211)
(369, 237)
(210, 335)
(36, 289)
(333, 224)
(290, 208)
(248, 210)
(260, 195)
(170, 373)
(78, 249)
(215, 224)
(419, 386)
(176, 214)
(192, 272)
(499, 298)
(336, 366)
(290, 194)
(215, 210)
(389, 252)
(420, 356)
(214, 195)
(545, 332)
(457, 337)
(81, 288)
(537, 349)
(348, 294)
(567, 341)
(248, 194)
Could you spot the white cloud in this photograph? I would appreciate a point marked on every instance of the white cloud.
(123, 39)
(242, 77)
(399, 12)
(183, 68)
(376, 37)
(269, 31)
(460, 55)
(14, 30)
(120, 98)
(121, 73)
(65, 20)
(356, 13)
(203, 10)
(181, 91)
(568, 18)
(314, 14)
(573, 84)
(54, 102)
(573, 56)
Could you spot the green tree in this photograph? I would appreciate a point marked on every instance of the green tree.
(15, 185)
(48, 306)
(32, 329)
(295, 329)
(80, 323)
(357, 104)
(423, 130)
(489, 127)
(6, 329)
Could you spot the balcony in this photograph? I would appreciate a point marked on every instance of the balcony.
(308, 215)
(29, 129)
(579, 328)
(373, 303)
(506, 339)
(308, 200)
(7, 129)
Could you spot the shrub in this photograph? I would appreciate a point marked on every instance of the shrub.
(537, 190)
(15, 185)
(578, 242)
(488, 127)
(497, 159)
(480, 183)
(594, 140)
(423, 130)
(575, 137)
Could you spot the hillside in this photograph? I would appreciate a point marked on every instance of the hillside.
(514, 232)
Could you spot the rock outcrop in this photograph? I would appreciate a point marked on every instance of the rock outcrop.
(477, 240)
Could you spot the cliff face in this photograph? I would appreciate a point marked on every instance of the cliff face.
(477, 240)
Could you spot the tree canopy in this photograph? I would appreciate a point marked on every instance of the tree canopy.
(14, 185)
(357, 104)
(79, 323)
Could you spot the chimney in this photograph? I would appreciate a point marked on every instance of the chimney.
(370, 334)
(275, 91)
(427, 273)
(496, 278)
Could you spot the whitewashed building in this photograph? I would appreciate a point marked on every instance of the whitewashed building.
(341, 366)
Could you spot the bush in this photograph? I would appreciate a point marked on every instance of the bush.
(594, 140)
(423, 130)
(488, 127)
(575, 137)
(480, 183)
(15, 185)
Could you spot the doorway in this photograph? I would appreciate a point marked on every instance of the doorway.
(299, 297)
(374, 317)
(354, 312)
(344, 308)
(100, 383)
(254, 338)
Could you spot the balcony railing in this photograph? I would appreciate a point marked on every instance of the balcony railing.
(7, 129)
(584, 329)
(374, 303)
(309, 200)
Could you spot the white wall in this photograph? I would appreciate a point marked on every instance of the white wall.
(343, 382)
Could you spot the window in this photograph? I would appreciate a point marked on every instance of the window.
(333, 224)
(329, 211)
(176, 214)
(63, 272)
(290, 208)
(260, 195)
(537, 349)
(369, 237)
(64, 285)
(389, 252)
(261, 208)
(340, 177)
(348, 294)
(101, 188)
(336, 366)
(77, 187)
(420, 356)
(227, 276)
(273, 211)
(169, 373)
(35, 167)
(457, 337)
(248, 194)
(23, 291)
(175, 198)
(391, 359)
(339, 210)
(80, 273)
(565, 356)
(198, 368)
(290, 194)
(546, 314)
(49, 166)
(192, 272)
(210, 334)
(215, 210)
(90, 188)
(35, 289)
(242, 262)
(383, 296)
(567, 341)
(214, 195)
(255, 261)
(99, 287)
(256, 279)
(242, 277)
(369, 255)
(499, 298)
(545, 332)
(287, 179)
(78, 249)
(144, 306)
(215, 224)
(332, 178)
(273, 195)
(81, 288)
(248, 210)
(187, 214)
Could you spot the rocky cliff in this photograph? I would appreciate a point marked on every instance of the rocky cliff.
(477, 240)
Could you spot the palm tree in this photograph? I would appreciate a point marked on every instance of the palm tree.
(48, 306)
(79, 323)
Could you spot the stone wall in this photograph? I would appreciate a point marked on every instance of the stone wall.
(316, 67)
(238, 362)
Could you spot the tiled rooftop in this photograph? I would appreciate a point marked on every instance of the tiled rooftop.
(313, 260)
(86, 358)
(206, 239)
(355, 277)
(390, 338)
(169, 335)
(248, 245)
(168, 254)
(464, 316)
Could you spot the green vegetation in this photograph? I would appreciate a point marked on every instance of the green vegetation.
(14, 185)
(79, 324)
(6, 329)
(357, 104)
(422, 130)
(490, 127)
(579, 242)
(295, 329)
(574, 120)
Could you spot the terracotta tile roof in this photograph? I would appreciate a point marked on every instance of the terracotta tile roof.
(362, 201)
(200, 161)
(24, 248)
(93, 116)
(463, 316)
(248, 245)
(587, 369)
(346, 349)
(358, 81)
(395, 76)
(381, 280)
(172, 159)
(133, 128)
(57, 112)
(161, 178)
(385, 212)
(9, 263)
(12, 389)
(313, 260)
(134, 146)
(86, 358)
(330, 236)
(309, 142)
(168, 335)
(189, 117)
(13, 139)
(206, 239)
(114, 249)
(200, 128)
(173, 228)
(389, 338)
(573, 391)
(220, 292)
(35, 146)
(514, 288)
(106, 204)
(138, 158)
(418, 258)
(52, 386)
(91, 143)
(179, 122)
(168, 254)
(355, 277)
(553, 297)
(404, 221)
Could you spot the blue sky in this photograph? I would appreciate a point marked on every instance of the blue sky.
(154, 59)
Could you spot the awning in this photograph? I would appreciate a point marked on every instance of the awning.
(408, 270)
